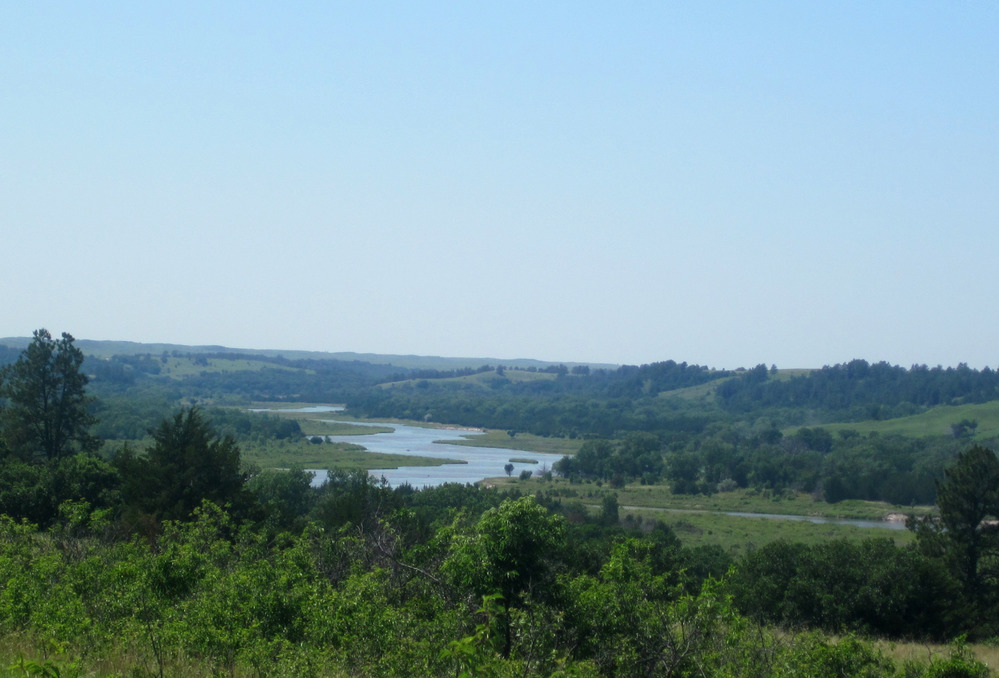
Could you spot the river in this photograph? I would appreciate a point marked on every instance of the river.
(474, 463)
(478, 463)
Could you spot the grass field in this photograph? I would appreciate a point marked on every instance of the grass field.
(737, 535)
(481, 379)
(750, 501)
(178, 368)
(702, 391)
(933, 422)
(318, 423)
(525, 442)
(284, 454)
(694, 393)
(924, 652)
(742, 500)
(697, 519)
(317, 427)
(701, 520)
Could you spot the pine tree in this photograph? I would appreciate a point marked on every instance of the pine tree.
(46, 410)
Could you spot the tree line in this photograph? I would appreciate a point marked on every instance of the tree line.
(860, 390)
(179, 557)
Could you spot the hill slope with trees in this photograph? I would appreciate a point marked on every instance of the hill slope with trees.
(174, 558)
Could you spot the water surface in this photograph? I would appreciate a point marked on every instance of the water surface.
(476, 463)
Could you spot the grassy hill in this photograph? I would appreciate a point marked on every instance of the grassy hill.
(105, 349)
(934, 422)
(484, 380)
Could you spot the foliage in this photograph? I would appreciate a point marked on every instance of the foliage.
(870, 587)
(965, 535)
(859, 390)
(46, 413)
(187, 464)
(177, 560)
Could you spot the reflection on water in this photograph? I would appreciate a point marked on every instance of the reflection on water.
(306, 409)
(476, 463)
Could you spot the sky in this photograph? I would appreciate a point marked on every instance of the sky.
(723, 183)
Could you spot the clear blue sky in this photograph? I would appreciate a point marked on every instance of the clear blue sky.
(799, 183)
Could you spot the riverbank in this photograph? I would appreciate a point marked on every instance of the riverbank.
(740, 500)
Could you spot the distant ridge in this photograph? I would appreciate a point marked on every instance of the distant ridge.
(106, 349)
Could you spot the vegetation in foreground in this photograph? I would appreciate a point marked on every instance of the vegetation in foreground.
(177, 559)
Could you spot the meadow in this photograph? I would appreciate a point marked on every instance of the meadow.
(702, 520)
(936, 421)
(346, 456)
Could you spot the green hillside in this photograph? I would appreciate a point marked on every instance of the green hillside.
(104, 349)
(934, 422)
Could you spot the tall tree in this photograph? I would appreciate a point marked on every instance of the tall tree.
(969, 508)
(46, 412)
(966, 533)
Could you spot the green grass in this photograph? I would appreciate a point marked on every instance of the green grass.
(692, 393)
(318, 423)
(742, 500)
(750, 501)
(178, 368)
(283, 454)
(702, 392)
(901, 652)
(737, 535)
(315, 427)
(526, 442)
(933, 422)
(700, 520)
(482, 379)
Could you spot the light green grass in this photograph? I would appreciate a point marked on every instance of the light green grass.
(749, 501)
(283, 454)
(525, 442)
(317, 427)
(319, 423)
(659, 497)
(933, 422)
(737, 535)
(699, 521)
(178, 368)
(704, 391)
(483, 380)
(694, 393)
(901, 652)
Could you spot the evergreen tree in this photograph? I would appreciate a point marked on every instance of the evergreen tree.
(187, 464)
(969, 507)
(966, 533)
(46, 406)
